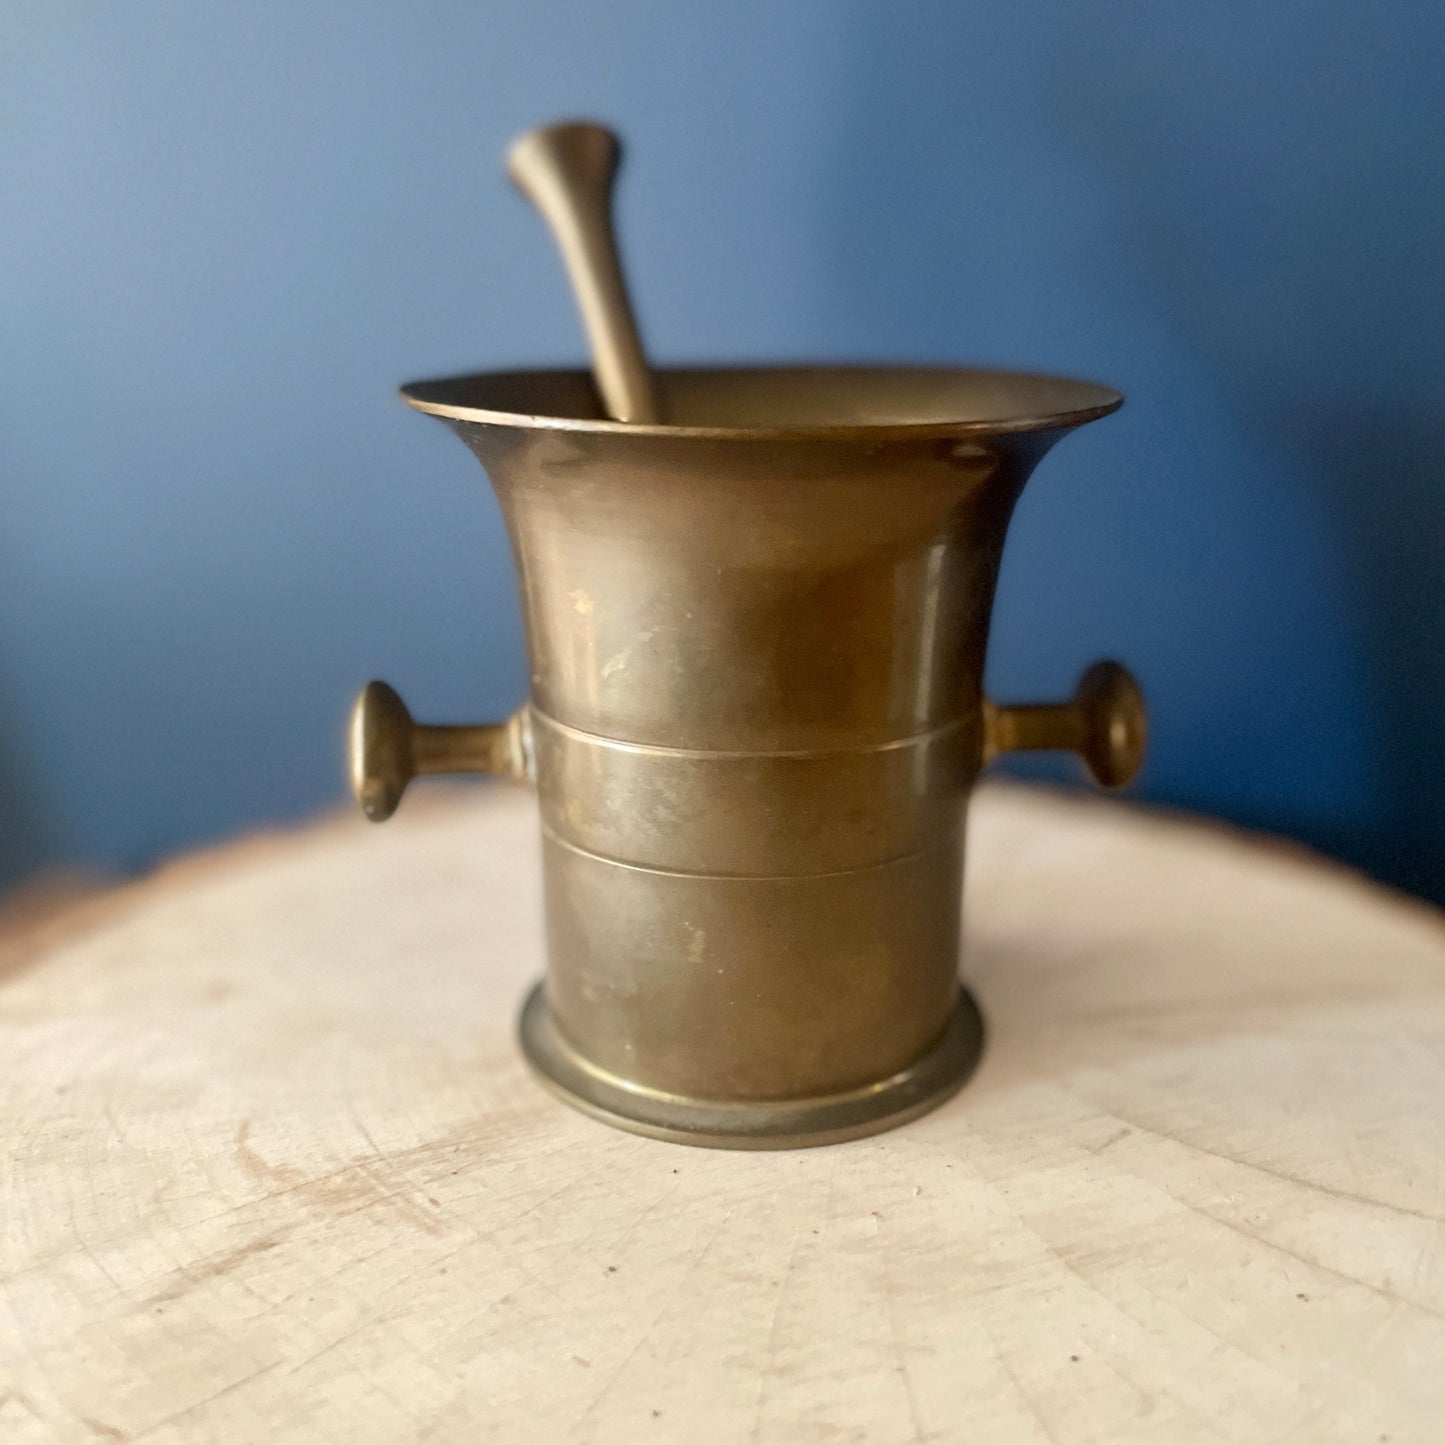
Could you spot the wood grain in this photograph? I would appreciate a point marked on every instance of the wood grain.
(273, 1170)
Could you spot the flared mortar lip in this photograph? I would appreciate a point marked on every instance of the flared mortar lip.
(437, 397)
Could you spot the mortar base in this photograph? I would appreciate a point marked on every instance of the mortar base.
(749, 1124)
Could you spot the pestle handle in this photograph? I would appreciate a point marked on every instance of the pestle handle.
(567, 171)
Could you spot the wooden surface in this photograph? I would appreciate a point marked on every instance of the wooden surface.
(273, 1170)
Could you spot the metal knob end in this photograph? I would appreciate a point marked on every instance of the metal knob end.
(1104, 722)
(388, 749)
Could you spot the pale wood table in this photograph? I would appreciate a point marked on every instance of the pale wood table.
(273, 1170)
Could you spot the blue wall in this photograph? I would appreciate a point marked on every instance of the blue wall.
(227, 231)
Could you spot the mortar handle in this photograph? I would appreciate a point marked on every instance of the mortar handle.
(1104, 722)
(388, 749)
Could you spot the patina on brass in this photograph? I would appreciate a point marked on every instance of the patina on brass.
(757, 638)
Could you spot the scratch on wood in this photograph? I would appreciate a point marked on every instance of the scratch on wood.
(1266, 1243)
(890, 1300)
(258, 1167)
(661, 1198)
(1111, 1141)
(409, 1206)
(1246, 1233)
(1019, 1389)
(652, 1324)
(1062, 1259)
(1283, 1175)
(345, 1338)
(204, 1269)
(367, 1191)
(766, 1372)
(352, 1188)
(210, 1399)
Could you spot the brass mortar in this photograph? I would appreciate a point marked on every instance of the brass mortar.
(757, 639)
